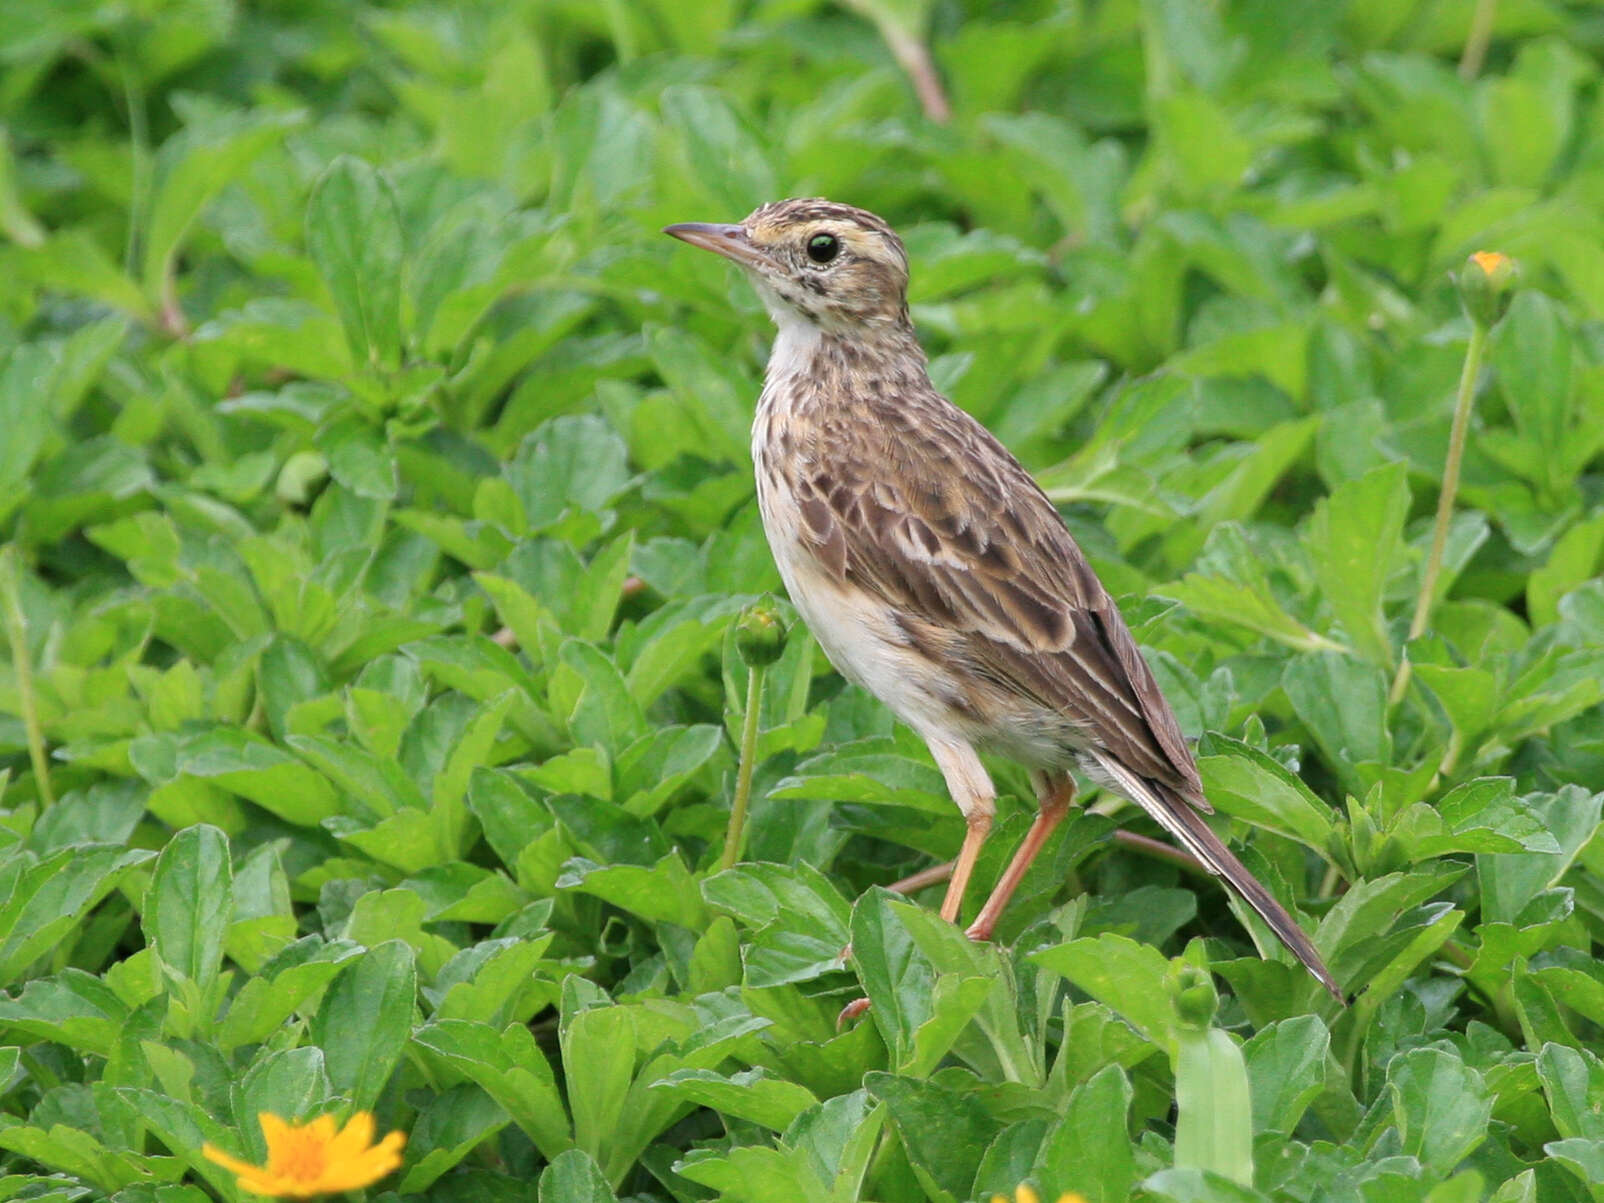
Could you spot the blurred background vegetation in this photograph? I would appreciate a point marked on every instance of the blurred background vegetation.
(376, 507)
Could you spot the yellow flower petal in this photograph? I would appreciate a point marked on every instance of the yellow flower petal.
(317, 1158)
(274, 1130)
(352, 1139)
(1489, 261)
(1025, 1193)
(232, 1164)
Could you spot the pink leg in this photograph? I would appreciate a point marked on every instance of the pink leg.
(1055, 793)
(964, 866)
(972, 790)
(933, 876)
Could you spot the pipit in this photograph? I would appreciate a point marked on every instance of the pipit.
(934, 571)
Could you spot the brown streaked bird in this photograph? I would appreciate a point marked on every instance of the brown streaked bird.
(931, 567)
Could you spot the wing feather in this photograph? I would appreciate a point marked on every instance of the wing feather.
(960, 537)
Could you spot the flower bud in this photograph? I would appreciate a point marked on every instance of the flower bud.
(1196, 999)
(1486, 286)
(760, 634)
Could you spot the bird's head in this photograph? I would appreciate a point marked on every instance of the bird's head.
(814, 261)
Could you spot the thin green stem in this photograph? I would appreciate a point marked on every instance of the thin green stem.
(139, 146)
(743, 774)
(1329, 881)
(1445, 500)
(17, 636)
(623, 35)
(1476, 40)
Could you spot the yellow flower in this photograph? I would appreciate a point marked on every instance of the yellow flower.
(313, 1159)
(1491, 262)
(1025, 1193)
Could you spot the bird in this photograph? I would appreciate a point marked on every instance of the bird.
(933, 570)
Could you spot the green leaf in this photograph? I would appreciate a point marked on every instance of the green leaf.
(1441, 1106)
(576, 461)
(1088, 1150)
(243, 764)
(1232, 586)
(1127, 976)
(1199, 1186)
(49, 899)
(1247, 783)
(359, 458)
(73, 1008)
(598, 1046)
(663, 893)
(365, 1020)
(456, 1122)
(509, 1067)
(1532, 355)
(1286, 1065)
(1354, 540)
(898, 980)
(293, 977)
(574, 1177)
(753, 1095)
(26, 380)
(192, 169)
(944, 1131)
(290, 1083)
(189, 904)
(1584, 1158)
(1574, 560)
(1573, 1081)
(353, 232)
(800, 920)
(1509, 881)
(1342, 703)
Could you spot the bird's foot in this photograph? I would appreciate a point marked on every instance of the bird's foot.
(854, 1009)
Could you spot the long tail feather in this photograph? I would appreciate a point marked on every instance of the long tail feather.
(1183, 821)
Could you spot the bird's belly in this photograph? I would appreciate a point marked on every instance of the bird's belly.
(860, 635)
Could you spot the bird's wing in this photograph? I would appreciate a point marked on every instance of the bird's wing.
(929, 512)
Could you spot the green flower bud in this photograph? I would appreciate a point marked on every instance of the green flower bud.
(760, 634)
(1195, 997)
(1486, 286)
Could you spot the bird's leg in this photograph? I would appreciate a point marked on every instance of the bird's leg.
(979, 827)
(914, 882)
(972, 790)
(1055, 792)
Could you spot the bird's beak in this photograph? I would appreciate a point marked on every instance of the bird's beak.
(728, 240)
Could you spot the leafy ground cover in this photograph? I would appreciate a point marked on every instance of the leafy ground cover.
(377, 510)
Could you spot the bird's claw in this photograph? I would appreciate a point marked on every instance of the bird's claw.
(855, 1008)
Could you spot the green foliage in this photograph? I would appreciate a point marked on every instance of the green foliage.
(378, 516)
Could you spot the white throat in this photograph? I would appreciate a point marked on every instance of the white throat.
(796, 340)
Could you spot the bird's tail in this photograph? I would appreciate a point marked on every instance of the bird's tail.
(1182, 820)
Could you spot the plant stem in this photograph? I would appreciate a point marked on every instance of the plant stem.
(17, 636)
(913, 56)
(1480, 33)
(743, 775)
(1445, 500)
(139, 146)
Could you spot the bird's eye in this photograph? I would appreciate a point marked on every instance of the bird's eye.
(823, 247)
